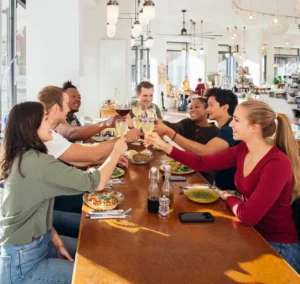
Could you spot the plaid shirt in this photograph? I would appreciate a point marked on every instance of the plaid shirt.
(73, 121)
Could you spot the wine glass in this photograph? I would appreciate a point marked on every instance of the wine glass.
(123, 107)
(147, 126)
(121, 127)
(151, 112)
(137, 110)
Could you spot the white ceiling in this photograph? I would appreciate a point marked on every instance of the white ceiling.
(219, 12)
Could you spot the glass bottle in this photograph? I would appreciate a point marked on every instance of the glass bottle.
(167, 188)
(164, 210)
(153, 191)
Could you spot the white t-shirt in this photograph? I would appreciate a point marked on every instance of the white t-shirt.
(58, 145)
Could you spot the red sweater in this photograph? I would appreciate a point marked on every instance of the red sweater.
(266, 191)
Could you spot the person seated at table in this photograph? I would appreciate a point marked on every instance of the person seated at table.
(70, 127)
(68, 208)
(195, 128)
(267, 175)
(144, 94)
(200, 88)
(31, 250)
(221, 105)
(185, 84)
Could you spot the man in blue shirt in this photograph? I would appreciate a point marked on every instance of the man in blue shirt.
(221, 105)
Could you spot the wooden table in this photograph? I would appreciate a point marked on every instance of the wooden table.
(148, 249)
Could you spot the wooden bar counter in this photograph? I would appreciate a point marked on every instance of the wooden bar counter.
(149, 249)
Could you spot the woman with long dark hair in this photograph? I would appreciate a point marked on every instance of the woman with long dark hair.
(267, 174)
(31, 250)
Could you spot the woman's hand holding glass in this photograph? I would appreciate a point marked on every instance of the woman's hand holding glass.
(156, 141)
(120, 147)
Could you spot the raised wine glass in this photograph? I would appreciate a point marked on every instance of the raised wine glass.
(137, 110)
(151, 112)
(121, 127)
(147, 127)
(123, 107)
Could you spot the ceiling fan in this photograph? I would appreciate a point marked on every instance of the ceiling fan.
(184, 32)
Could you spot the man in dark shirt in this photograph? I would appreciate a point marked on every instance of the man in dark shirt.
(221, 105)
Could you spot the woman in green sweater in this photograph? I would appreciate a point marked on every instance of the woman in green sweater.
(31, 251)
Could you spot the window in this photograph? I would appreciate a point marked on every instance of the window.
(12, 54)
(182, 63)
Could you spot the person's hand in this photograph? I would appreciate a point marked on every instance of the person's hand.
(129, 121)
(62, 253)
(224, 194)
(155, 140)
(123, 162)
(160, 128)
(112, 120)
(132, 135)
(120, 146)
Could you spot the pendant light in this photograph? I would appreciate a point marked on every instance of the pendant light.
(149, 9)
(112, 12)
(201, 50)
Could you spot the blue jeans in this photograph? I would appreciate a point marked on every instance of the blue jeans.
(289, 252)
(66, 223)
(36, 262)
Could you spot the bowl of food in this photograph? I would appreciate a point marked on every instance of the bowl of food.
(139, 158)
(176, 168)
(201, 195)
(103, 200)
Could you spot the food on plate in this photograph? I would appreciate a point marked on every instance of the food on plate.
(201, 195)
(103, 198)
(177, 167)
(141, 158)
(131, 153)
(117, 172)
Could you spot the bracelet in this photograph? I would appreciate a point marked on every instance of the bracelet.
(174, 136)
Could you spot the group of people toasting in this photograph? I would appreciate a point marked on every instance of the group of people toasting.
(251, 150)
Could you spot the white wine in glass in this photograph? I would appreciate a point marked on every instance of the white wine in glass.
(137, 111)
(151, 112)
(137, 123)
(147, 127)
(121, 127)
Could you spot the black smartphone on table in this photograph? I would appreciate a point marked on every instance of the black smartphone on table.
(195, 217)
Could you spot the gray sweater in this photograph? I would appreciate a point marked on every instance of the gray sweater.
(26, 208)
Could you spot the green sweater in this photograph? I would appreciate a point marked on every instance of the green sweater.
(27, 203)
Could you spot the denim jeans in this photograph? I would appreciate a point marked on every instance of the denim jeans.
(36, 262)
(66, 223)
(289, 252)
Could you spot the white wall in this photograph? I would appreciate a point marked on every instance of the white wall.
(93, 92)
(52, 44)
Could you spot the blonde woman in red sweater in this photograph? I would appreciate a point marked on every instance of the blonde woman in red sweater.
(267, 175)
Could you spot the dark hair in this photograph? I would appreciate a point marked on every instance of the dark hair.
(21, 135)
(223, 97)
(199, 79)
(51, 95)
(68, 85)
(202, 101)
(144, 84)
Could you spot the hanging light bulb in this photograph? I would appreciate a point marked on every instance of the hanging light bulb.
(149, 9)
(111, 30)
(201, 51)
(191, 50)
(134, 33)
(234, 35)
(297, 6)
(288, 43)
(183, 51)
(251, 18)
(278, 25)
(132, 41)
(138, 28)
(227, 54)
(112, 12)
(149, 42)
(264, 49)
(144, 21)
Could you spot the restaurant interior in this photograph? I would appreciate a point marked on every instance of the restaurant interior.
(170, 145)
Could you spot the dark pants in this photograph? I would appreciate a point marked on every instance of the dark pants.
(66, 223)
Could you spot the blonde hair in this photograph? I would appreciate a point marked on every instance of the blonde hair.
(261, 113)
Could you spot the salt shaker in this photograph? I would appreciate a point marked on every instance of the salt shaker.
(164, 210)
